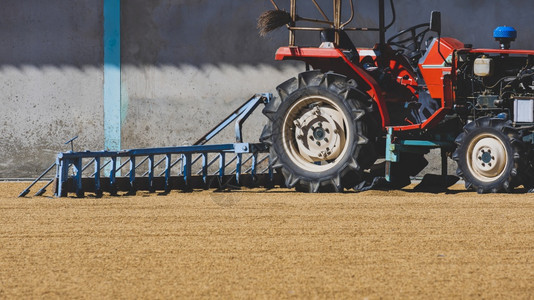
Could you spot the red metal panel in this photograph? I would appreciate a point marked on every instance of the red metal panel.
(433, 68)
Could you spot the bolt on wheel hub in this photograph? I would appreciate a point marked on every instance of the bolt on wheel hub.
(319, 133)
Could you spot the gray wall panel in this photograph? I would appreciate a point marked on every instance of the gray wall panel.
(186, 63)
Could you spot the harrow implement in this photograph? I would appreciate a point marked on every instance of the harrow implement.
(198, 166)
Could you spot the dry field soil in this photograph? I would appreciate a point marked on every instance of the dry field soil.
(268, 244)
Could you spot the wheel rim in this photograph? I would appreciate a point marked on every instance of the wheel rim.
(487, 157)
(315, 133)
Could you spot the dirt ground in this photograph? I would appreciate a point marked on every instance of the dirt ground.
(268, 244)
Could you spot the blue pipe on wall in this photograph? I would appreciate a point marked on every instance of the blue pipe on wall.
(112, 75)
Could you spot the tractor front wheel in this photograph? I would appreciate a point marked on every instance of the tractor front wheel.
(491, 156)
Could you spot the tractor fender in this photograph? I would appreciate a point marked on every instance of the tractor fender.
(332, 59)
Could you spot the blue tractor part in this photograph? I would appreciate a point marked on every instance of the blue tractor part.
(505, 35)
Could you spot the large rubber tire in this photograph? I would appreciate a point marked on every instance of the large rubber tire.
(491, 156)
(319, 132)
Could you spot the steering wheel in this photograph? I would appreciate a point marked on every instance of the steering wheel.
(410, 40)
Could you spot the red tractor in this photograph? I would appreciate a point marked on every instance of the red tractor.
(407, 94)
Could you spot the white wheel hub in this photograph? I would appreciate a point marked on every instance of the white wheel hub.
(487, 157)
(315, 133)
(320, 134)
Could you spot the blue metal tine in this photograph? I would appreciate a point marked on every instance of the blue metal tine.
(167, 172)
(187, 168)
(222, 165)
(238, 167)
(255, 165)
(242, 163)
(112, 174)
(151, 173)
(254, 160)
(78, 177)
(132, 174)
(205, 168)
(63, 171)
(98, 187)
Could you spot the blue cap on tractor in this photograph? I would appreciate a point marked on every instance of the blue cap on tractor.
(505, 35)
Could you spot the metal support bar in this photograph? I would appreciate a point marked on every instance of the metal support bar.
(382, 24)
(27, 190)
(43, 189)
(337, 20)
(246, 108)
(293, 13)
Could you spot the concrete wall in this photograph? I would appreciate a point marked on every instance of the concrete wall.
(50, 81)
(185, 64)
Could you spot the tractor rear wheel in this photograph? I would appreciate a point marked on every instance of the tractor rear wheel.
(491, 156)
(319, 132)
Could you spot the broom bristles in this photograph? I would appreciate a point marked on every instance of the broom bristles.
(271, 20)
